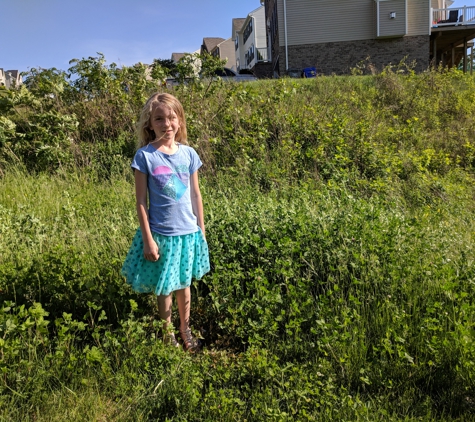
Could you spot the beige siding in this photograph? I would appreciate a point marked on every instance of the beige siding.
(311, 21)
(392, 27)
(227, 51)
(260, 27)
(438, 4)
(418, 17)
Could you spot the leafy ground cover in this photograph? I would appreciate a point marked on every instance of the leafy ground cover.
(339, 217)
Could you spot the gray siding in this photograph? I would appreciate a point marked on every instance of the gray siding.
(392, 27)
(311, 21)
(418, 17)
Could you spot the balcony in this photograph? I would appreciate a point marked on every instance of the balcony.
(458, 16)
(451, 31)
(262, 55)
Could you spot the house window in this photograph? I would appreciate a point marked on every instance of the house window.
(250, 55)
(236, 41)
(247, 31)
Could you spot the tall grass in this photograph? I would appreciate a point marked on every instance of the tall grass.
(315, 295)
(339, 217)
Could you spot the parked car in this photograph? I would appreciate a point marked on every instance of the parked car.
(230, 75)
(225, 74)
(294, 73)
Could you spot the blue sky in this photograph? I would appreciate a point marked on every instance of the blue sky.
(49, 33)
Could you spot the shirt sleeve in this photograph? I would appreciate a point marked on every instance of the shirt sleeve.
(195, 162)
(139, 162)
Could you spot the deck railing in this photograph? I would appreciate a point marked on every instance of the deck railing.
(262, 55)
(453, 16)
(249, 63)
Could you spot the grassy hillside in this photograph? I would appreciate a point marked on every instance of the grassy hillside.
(339, 216)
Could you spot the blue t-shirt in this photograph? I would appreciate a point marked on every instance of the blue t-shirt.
(168, 181)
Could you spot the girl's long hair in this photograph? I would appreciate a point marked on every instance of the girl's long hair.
(145, 134)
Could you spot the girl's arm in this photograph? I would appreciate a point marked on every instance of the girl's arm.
(196, 201)
(150, 247)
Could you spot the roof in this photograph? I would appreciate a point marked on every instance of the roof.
(176, 57)
(237, 25)
(14, 73)
(210, 43)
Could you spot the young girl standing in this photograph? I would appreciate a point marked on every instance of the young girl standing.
(170, 247)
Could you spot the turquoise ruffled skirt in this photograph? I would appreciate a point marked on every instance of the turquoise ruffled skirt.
(181, 259)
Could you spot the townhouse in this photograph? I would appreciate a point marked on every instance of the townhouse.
(249, 37)
(336, 36)
(10, 78)
(219, 47)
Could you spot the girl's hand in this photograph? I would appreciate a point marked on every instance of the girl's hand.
(150, 252)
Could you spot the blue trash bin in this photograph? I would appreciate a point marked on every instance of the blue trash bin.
(309, 72)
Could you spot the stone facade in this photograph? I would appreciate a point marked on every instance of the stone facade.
(263, 70)
(340, 57)
(274, 48)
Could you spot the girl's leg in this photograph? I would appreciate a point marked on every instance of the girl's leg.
(183, 300)
(165, 309)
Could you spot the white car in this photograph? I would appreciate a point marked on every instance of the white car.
(225, 74)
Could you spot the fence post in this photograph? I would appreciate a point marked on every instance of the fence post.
(471, 60)
(465, 55)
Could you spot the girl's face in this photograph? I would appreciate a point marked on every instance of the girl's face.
(164, 122)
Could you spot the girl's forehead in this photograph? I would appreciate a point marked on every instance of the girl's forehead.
(161, 109)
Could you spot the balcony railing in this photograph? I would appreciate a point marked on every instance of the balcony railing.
(250, 61)
(262, 55)
(453, 16)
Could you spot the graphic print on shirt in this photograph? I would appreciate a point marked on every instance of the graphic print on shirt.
(173, 183)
